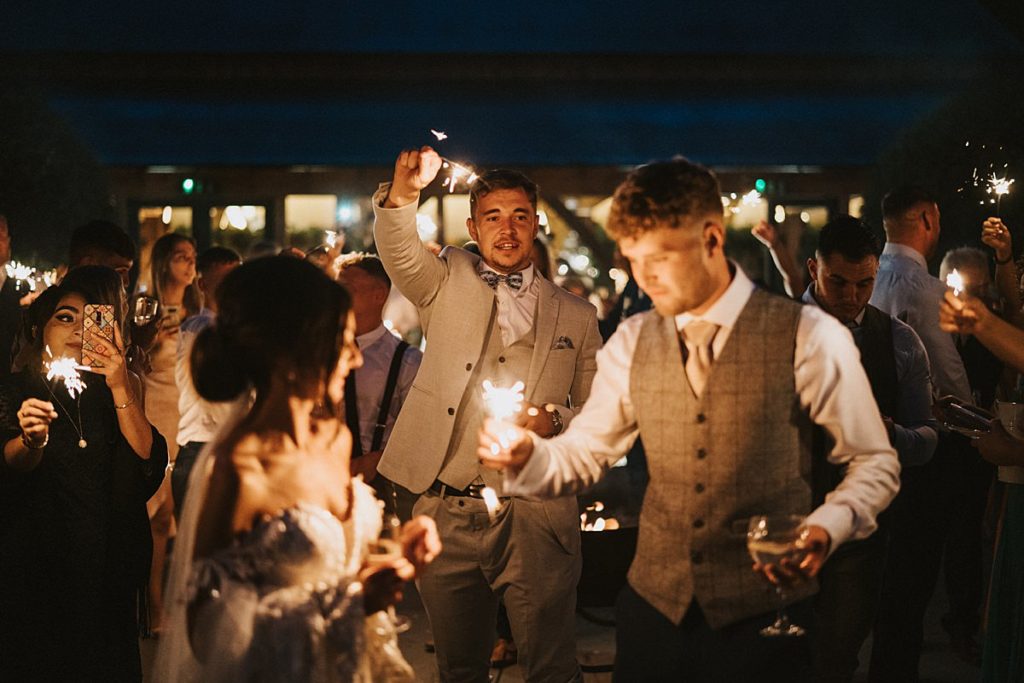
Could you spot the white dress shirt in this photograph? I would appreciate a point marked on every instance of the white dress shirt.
(830, 381)
(516, 307)
(378, 348)
(199, 419)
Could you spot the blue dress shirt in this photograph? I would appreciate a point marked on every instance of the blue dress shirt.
(904, 289)
(915, 431)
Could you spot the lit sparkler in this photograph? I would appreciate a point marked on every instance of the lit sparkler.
(503, 402)
(66, 370)
(491, 501)
(439, 134)
(956, 281)
(458, 173)
(999, 187)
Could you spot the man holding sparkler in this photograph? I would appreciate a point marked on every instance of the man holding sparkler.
(724, 382)
(487, 318)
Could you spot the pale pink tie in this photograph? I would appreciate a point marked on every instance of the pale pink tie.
(698, 336)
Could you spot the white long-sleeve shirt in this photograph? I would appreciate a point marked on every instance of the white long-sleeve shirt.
(830, 381)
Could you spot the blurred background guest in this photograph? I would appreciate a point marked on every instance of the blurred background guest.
(200, 419)
(173, 274)
(375, 391)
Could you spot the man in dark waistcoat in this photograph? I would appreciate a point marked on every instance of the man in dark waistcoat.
(842, 279)
(724, 382)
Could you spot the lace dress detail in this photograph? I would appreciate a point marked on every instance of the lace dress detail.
(283, 602)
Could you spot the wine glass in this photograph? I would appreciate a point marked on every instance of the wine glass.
(770, 540)
(145, 310)
(385, 550)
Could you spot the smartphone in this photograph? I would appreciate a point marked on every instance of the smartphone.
(97, 333)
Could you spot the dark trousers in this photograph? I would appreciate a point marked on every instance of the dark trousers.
(845, 607)
(650, 648)
(921, 517)
(187, 456)
(964, 563)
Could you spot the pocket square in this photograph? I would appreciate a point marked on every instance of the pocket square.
(563, 343)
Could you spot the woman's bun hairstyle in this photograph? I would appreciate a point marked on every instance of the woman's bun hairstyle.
(276, 315)
(216, 375)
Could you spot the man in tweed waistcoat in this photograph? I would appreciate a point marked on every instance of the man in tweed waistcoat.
(724, 382)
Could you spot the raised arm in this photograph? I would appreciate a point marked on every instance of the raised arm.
(792, 275)
(416, 271)
(968, 315)
(995, 234)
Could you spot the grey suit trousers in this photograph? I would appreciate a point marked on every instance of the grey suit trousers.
(530, 555)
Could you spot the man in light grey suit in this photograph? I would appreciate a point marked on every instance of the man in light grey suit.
(724, 382)
(488, 317)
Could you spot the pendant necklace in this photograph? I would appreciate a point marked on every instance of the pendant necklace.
(79, 427)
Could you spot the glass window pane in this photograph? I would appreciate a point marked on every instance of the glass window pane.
(239, 227)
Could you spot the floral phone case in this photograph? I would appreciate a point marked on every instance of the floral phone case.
(97, 329)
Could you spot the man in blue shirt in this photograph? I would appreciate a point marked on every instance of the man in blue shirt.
(843, 273)
(905, 289)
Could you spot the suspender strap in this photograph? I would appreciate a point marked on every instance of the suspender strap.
(389, 393)
(352, 414)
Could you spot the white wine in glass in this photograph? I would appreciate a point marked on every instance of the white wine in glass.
(770, 540)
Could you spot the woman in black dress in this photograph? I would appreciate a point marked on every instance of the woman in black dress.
(75, 475)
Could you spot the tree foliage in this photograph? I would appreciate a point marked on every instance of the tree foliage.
(974, 134)
(50, 182)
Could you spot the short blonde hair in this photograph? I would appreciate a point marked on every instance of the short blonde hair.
(663, 194)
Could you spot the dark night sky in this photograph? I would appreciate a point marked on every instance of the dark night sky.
(898, 27)
(353, 128)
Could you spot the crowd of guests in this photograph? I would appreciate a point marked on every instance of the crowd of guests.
(291, 460)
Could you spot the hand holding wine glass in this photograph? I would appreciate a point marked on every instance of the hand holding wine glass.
(785, 551)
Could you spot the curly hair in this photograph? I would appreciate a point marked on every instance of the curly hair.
(663, 194)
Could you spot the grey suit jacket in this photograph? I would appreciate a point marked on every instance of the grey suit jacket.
(455, 309)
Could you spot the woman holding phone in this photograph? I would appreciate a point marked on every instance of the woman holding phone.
(76, 471)
(173, 274)
(273, 577)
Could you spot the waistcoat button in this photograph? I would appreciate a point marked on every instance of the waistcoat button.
(696, 557)
(451, 411)
(698, 524)
(699, 488)
(469, 366)
(701, 417)
(501, 359)
(701, 454)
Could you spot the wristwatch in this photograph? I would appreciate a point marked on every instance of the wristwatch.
(556, 419)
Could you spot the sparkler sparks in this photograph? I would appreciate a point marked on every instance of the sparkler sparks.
(66, 370)
(457, 173)
(503, 402)
(956, 281)
(439, 134)
(999, 186)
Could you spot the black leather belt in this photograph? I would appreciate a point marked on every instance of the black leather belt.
(472, 491)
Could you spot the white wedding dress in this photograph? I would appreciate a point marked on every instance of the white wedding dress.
(281, 603)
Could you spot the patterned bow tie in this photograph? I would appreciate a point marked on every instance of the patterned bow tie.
(515, 280)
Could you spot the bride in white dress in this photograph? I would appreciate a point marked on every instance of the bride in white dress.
(270, 579)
